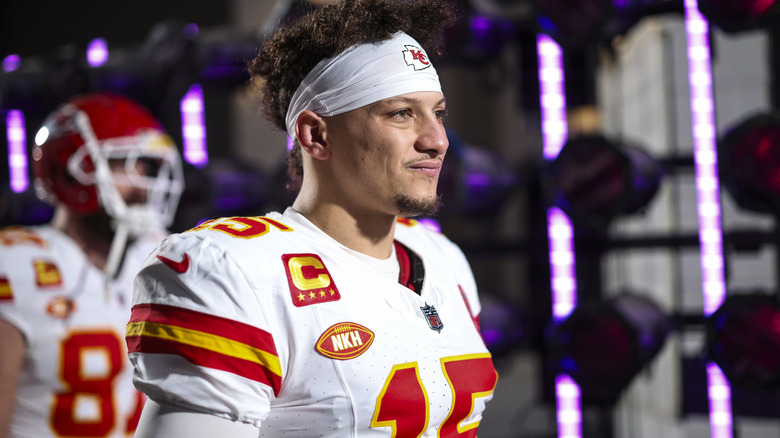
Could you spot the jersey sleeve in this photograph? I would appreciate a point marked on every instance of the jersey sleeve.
(10, 296)
(198, 336)
(17, 279)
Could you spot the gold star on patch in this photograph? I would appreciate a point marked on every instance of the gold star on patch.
(322, 293)
(311, 294)
(301, 297)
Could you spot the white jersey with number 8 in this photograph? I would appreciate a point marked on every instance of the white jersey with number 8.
(75, 378)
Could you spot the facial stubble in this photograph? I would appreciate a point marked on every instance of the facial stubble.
(411, 207)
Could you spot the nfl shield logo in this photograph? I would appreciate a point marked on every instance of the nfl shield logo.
(432, 316)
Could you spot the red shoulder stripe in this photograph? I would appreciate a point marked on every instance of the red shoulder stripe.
(205, 340)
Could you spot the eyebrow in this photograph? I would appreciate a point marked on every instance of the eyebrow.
(407, 100)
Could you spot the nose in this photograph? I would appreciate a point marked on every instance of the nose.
(135, 195)
(432, 138)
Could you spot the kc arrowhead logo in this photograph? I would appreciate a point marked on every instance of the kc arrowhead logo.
(416, 57)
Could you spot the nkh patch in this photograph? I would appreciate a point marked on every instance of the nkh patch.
(344, 341)
(432, 316)
(309, 280)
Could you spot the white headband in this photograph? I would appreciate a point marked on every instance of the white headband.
(361, 75)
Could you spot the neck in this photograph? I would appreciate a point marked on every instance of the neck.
(367, 232)
(90, 233)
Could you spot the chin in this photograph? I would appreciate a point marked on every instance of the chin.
(421, 206)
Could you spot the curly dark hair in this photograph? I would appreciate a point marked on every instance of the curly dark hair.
(292, 52)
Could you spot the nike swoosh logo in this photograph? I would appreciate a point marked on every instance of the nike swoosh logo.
(180, 267)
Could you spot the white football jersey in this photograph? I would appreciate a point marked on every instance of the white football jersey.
(268, 320)
(75, 380)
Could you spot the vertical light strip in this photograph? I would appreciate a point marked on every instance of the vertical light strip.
(563, 284)
(708, 194)
(705, 156)
(554, 132)
(193, 127)
(563, 281)
(568, 410)
(720, 402)
(552, 96)
(97, 52)
(17, 151)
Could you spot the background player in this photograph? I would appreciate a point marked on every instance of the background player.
(115, 177)
(335, 318)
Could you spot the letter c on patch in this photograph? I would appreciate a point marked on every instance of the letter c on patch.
(308, 282)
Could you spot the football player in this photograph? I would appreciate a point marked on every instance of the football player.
(115, 178)
(338, 317)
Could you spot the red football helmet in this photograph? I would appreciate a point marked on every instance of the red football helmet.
(79, 139)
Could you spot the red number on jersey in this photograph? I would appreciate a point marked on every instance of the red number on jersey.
(471, 376)
(18, 235)
(403, 402)
(245, 227)
(90, 386)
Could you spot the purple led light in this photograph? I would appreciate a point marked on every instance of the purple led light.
(431, 224)
(705, 156)
(193, 127)
(11, 63)
(97, 52)
(720, 402)
(568, 409)
(554, 132)
(479, 24)
(708, 195)
(552, 96)
(17, 150)
(191, 30)
(559, 230)
(564, 283)
(477, 180)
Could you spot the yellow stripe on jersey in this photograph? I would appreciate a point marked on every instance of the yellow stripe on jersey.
(6, 293)
(206, 341)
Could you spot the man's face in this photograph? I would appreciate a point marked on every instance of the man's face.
(128, 176)
(388, 155)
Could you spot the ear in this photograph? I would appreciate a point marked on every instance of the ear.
(311, 135)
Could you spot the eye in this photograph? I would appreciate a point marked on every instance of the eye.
(148, 166)
(402, 114)
(440, 114)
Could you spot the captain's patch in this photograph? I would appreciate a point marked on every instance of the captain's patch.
(309, 280)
